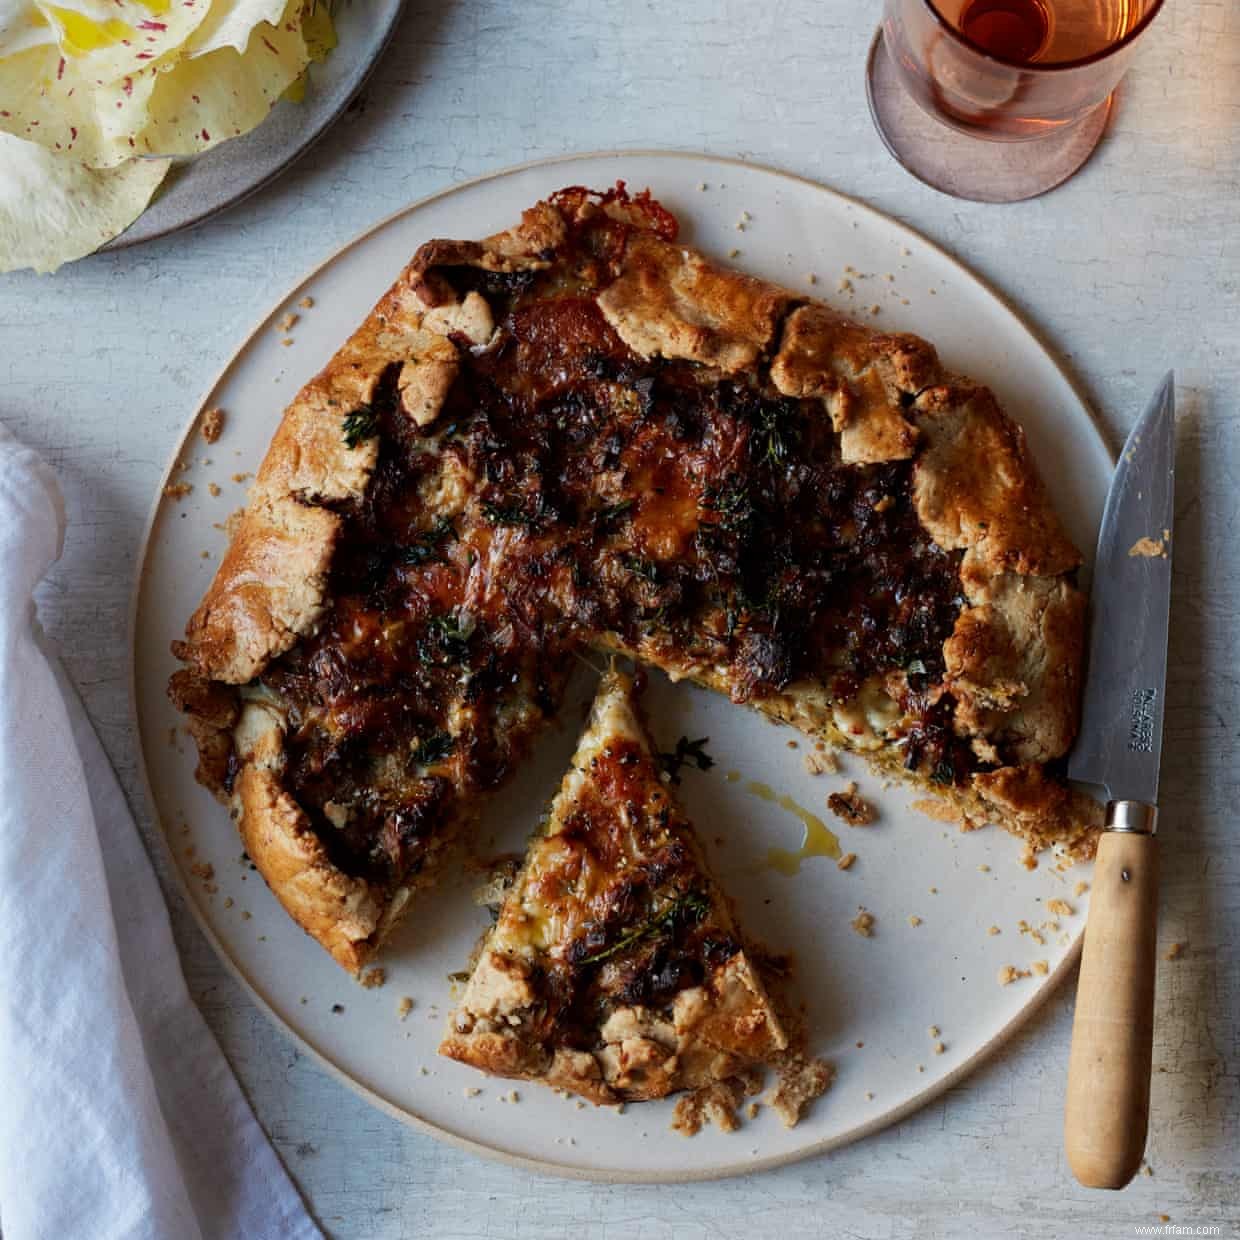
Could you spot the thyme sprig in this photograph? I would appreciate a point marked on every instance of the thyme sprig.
(686, 751)
(686, 909)
(427, 547)
(361, 424)
(434, 749)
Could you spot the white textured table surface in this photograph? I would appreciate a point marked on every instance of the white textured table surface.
(1132, 267)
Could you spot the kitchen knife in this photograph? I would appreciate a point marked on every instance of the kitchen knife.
(1119, 747)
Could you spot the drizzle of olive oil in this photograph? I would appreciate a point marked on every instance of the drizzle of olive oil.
(818, 841)
(81, 34)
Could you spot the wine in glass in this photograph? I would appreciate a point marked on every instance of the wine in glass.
(999, 100)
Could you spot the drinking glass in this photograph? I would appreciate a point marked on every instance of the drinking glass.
(999, 100)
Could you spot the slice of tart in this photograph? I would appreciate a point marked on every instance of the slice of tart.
(615, 969)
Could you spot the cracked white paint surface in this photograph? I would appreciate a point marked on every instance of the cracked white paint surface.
(1132, 267)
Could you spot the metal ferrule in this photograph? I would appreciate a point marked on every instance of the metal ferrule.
(1134, 817)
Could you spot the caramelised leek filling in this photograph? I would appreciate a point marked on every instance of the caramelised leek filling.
(570, 491)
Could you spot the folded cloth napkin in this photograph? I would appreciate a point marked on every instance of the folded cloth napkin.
(119, 1116)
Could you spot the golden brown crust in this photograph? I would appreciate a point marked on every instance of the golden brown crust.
(976, 487)
(344, 914)
(865, 380)
(668, 301)
(267, 591)
(211, 710)
(1014, 661)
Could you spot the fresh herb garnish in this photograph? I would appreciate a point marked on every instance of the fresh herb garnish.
(686, 910)
(434, 749)
(648, 570)
(732, 505)
(944, 771)
(775, 431)
(686, 751)
(611, 514)
(447, 640)
(428, 546)
(361, 424)
(510, 514)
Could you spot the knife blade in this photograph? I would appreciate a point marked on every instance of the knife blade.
(1106, 1115)
(1120, 740)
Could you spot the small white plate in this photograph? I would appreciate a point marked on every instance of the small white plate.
(872, 1002)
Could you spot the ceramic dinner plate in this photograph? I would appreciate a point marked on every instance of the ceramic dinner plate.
(904, 1012)
(198, 188)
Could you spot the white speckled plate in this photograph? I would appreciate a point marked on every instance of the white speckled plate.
(871, 1001)
(198, 188)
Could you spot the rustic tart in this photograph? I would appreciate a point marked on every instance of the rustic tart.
(580, 433)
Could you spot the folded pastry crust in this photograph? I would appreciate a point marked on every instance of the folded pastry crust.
(1012, 662)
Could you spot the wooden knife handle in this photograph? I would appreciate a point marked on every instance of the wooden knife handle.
(1108, 1105)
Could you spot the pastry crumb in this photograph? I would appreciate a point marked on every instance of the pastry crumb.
(178, 490)
(715, 1103)
(801, 1081)
(1010, 973)
(1061, 908)
(228, 901)
(471, 1091)
(372, 979)
(933, 1031)
(213, 489)
(752, 1110)
(734, 252)
(940, 811)
(1150, 548)
(869, 1097)
(850, 807)
(983, 868)
(821, 762)
(845, 862)
(246, 914)
(914, 920)
(287, 322)
(306, 303)
(1041, 967)
(212, 425)
(939, 1048)
(863, 924)
(287, 341)
(404, 1007)
(993, 931)
(241, 477)
(1080, 889)
(204, 870)
(1174, 951)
